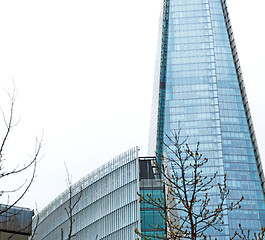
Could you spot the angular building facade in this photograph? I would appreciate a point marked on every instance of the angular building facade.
(199, 89)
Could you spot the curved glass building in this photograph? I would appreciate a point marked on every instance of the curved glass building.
(108, 206)
(105, 203)
(199, 88)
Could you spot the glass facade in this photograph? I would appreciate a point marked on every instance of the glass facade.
(152, 221)
(205, 97)
(108, 207)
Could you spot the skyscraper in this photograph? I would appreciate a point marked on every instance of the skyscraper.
(199, 88)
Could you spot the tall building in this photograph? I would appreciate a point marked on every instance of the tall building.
(199, 88)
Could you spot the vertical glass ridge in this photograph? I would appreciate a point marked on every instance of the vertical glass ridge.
(162, 83)
(243, 94)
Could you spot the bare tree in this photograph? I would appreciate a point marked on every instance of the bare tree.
(189, 208)
(71, 205)
(9, 123)
(36, 224)
(248, 236)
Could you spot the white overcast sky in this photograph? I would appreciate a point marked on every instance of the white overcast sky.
(84, 73)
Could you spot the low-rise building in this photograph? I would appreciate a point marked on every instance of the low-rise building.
(15, 223)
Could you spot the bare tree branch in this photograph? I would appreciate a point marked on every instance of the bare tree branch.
(32, 163)
(187, 207)
(34, 232)
(9, 124)
(71, 205)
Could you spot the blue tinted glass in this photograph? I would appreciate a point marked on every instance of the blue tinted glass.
(204, 98)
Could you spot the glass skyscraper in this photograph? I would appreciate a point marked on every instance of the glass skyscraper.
(199, 88)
